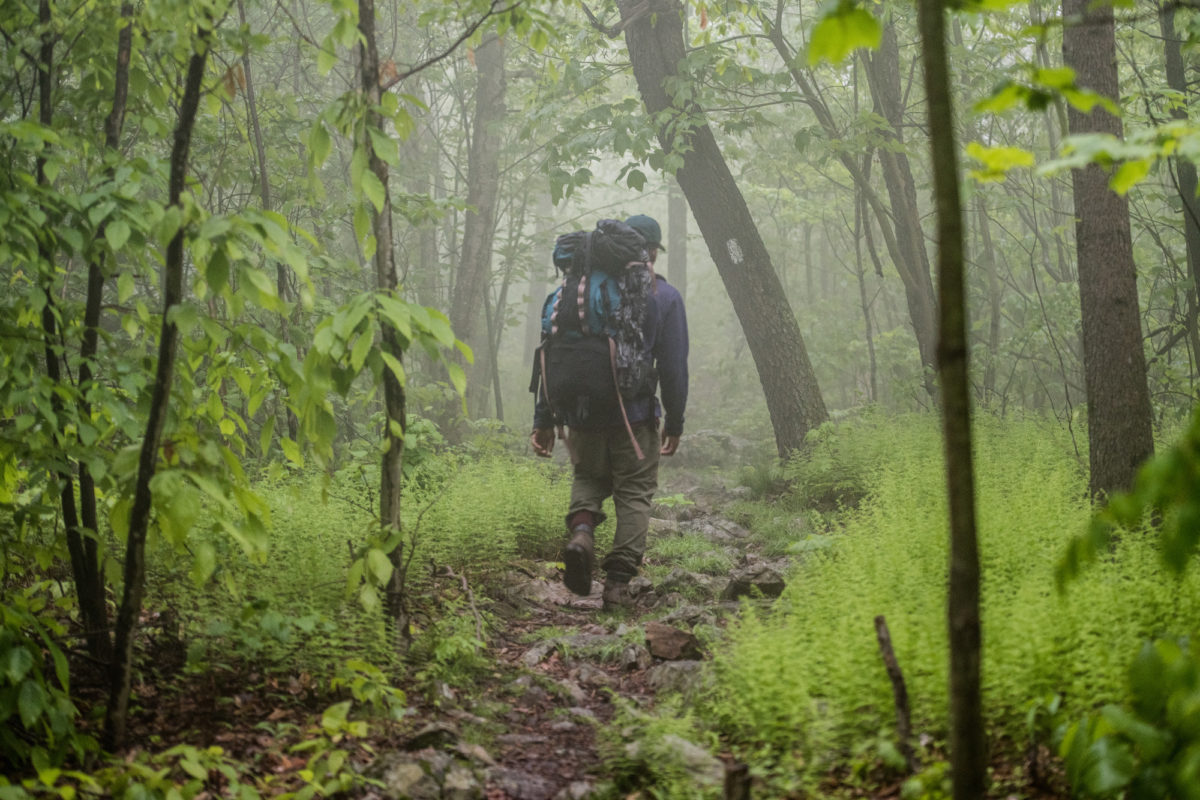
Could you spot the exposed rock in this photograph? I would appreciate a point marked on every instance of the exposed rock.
(423, 775)
(690, 616)
(687, 678)
(664, 527)
(438, 735)
(754, 580)
(688, 583)
(474, 753)
(577, 790)
(520, 739)
(719, 530)
(704, 767)
(670, 643)
(589, 675)
(519, 785)
(573, 691)
(460, 783)
(640, 586)
(536, 654)
(634, 657)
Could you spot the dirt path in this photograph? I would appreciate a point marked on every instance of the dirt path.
(563, 666)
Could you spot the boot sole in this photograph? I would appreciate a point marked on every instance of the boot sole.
(578, 577)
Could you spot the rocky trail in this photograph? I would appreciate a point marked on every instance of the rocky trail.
(545, 723)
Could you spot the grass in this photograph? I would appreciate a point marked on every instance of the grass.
(806, 679)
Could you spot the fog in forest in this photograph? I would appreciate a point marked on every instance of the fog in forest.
(272, 281)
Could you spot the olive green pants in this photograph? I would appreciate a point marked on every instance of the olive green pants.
(608, 465)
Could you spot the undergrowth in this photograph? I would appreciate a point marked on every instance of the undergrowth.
(802, 685)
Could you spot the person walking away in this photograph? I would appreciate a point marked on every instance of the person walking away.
(617, 454)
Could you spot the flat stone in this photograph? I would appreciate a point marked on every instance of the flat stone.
(670, 643)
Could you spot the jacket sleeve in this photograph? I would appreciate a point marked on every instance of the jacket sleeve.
(542, 416)
(670, 356)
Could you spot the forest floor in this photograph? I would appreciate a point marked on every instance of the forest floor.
(541, 723)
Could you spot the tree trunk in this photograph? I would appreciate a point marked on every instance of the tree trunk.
(139, 515)
(883, 77)
(677, 235)
(968, 745)
(82, 550)
(395, 423)
(479, 226)
(654, 36)
(1185, 169)
(902, 246)
(282, 287)
(988, 259)
(1119, 414)
(92, 603)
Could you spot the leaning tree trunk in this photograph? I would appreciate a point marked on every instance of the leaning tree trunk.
(479, 227)
(394, 399)
(139, 515)
(883, 78)
(968, 745)
(899, 225)
(1119, 416)
(654, 36)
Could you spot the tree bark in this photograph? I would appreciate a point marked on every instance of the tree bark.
(282, 286)
(395, 421)
(677, 236)
(479, 225)
(1119, 414)
(1185, 169)
(883, 78)
(139, 516)
(92, 602)
(968, 745)
(654, 36)
(902, 246)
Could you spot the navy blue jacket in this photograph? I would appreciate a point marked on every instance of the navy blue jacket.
(667, 339)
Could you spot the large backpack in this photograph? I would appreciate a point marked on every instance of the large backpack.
(593, 356)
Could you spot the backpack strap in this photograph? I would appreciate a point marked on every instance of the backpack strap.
(612, 357)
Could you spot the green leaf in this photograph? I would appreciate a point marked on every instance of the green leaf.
(31, 702)
(385, 147)
(117, 233)
(997, 161)
(842, 31)
(326, 57)
(379, 566)
(125, 287)
(291, 451)
(362, 348)
(394, 365)
(373, 189)
(319, 143)
(458, 378)
(17, 662)
(1129, 175)
(204, 563)
(264, 436)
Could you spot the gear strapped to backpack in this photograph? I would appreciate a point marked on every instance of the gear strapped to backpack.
(593, 355)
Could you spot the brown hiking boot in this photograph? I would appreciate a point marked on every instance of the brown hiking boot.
(578, 559)
(617, 596)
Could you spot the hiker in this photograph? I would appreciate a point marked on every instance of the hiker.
(616, 451)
